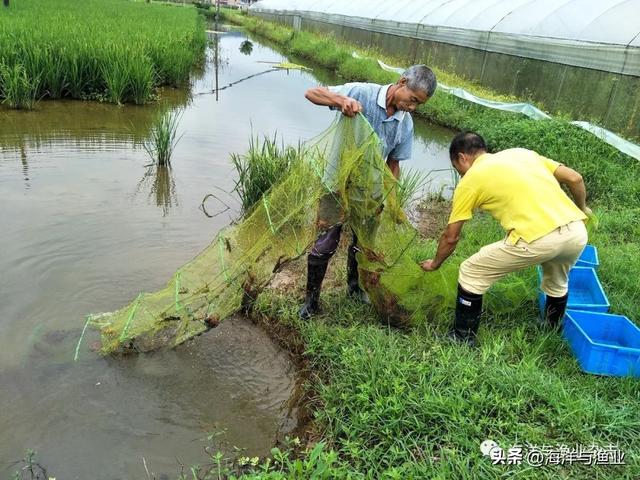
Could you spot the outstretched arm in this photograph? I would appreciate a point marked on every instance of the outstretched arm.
(325, 97)
(573, 180)
(446, 246)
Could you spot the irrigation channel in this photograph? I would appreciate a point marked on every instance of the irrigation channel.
(86, 226)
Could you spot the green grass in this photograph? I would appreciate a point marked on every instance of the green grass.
(114, 50)
(411, 405)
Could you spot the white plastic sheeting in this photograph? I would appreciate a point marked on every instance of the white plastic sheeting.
(599, 34)
(531, 111)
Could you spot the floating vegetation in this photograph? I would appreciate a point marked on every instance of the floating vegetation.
(290, 66)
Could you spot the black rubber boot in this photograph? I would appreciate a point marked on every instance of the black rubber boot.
(353, 284)
(316, 269)
(554, 309)
(467, 321)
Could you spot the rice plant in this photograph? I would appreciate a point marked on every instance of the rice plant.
(116, 78)
(28, 468)
(141, 80)
(54, 80)
(17, 89)
(114, 50)
(77, 77)
(163, 137)
(264, 164)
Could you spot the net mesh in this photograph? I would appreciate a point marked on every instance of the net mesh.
(341, 178)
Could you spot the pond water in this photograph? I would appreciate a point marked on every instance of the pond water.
(86, 225)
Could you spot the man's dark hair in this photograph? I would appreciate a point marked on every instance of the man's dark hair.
(466, 142)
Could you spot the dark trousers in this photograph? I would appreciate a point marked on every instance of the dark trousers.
(324, 248)
(327, 244)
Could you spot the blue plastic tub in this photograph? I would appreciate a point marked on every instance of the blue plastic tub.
(603, 344)
(585, 291)
(589, 258)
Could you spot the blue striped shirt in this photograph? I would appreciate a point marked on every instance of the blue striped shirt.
(396, 131)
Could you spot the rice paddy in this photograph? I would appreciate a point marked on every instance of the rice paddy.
(117, 51)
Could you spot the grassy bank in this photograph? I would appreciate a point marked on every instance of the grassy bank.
(388, 404)
(118, 50)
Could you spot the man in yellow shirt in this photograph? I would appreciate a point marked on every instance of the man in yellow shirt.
(521, 190)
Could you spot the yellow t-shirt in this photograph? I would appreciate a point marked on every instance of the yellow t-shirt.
(517, 188)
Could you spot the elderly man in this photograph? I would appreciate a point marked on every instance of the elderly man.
(387, 108)
(521, 190)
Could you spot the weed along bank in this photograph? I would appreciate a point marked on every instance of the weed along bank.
(282, 242)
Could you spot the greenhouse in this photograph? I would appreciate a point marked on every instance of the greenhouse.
(580, 57)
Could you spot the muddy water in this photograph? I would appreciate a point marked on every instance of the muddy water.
(85, 225)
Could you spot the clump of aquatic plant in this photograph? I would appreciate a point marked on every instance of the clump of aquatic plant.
(264, 164)
(163, 137)
(17, 90)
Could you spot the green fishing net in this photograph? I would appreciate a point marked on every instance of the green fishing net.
(340, 178)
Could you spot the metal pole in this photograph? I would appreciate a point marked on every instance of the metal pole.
(216, 59)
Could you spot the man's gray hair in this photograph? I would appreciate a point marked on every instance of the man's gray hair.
(420, 77)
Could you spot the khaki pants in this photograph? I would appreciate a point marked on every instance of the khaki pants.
(556, 252)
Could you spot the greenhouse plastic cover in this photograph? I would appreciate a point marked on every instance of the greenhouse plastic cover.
(598, 34)
(531, 111)
(551, 21)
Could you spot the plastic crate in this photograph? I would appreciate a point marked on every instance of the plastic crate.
(585, 291)
(603, 344)
(589, 258)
